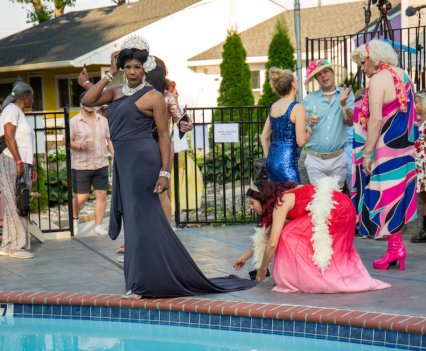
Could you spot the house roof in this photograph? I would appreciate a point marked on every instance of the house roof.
(315, 22)
(77, 33)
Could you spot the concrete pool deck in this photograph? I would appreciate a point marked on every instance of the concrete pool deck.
(88, 265)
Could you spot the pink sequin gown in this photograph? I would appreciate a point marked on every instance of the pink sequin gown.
(293, 269)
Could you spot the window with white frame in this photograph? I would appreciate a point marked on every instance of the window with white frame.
(69, 90)
(255, 80)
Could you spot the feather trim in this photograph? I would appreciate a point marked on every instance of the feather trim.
(260, 239)
(320, 211)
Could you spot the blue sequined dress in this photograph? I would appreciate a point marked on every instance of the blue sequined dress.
(284, 153)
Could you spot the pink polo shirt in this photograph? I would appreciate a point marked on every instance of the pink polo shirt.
(81, 132)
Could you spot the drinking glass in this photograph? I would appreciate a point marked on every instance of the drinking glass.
(314, 113)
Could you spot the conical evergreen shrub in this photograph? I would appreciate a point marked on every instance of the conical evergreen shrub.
(280, 54)
(235, 87)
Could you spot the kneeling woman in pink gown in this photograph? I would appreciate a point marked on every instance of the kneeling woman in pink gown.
(314, 252)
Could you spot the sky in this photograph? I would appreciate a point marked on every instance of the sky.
(13, 17)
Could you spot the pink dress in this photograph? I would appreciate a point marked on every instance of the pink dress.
(293, 268)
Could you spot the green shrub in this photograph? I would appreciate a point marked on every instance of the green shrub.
(233, 161)
(280, 54)
(235, 87)
(62, 156)
(40, 187)
(58, 186)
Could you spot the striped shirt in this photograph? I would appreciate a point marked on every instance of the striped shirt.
(81, 132)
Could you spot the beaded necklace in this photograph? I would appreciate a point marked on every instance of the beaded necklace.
(130, 91)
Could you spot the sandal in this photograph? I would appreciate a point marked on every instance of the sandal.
(120, 250)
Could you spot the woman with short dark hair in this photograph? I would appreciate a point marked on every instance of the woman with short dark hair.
(16, 161)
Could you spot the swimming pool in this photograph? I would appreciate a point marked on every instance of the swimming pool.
(36, 334)
(65, 320)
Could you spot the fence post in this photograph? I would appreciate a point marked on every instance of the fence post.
(176, 189)
(69, 176)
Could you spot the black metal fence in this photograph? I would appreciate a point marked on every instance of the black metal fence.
(54, 170)
(212, 177)
(409, 42)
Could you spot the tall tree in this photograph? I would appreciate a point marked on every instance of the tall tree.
(42, 11)
(235, 87)
(280, 54)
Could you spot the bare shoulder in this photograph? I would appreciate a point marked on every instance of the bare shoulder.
(380, 79)
(299, 108)
(288, 200)
(155, 95)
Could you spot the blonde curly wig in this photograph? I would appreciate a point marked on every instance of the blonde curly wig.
(380, 53)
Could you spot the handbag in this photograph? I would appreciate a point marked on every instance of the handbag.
(180, 144)
(184, 118)
(2, 143)
(259, 169)
(22, 194)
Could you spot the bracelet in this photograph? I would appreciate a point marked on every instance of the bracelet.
(18, 162)
(344, 108)
(165, 174)
(108, 76)
(367, 154)
(81, 146)
(309, 132)
(84, 84)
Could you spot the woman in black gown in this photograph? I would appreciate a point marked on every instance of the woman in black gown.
(156, 264)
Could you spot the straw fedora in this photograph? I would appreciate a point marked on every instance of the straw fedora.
(311, 84)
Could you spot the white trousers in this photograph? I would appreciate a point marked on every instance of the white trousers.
(319, 168)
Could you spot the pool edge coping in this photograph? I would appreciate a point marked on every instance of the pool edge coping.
(326, 315)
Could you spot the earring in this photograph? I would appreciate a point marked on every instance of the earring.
(124, 78)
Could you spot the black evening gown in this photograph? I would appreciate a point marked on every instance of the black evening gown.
(156, 264)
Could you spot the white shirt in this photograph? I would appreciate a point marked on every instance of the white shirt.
(24, 133)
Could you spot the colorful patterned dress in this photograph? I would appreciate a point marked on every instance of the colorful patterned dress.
(387, 200)
(421, 159)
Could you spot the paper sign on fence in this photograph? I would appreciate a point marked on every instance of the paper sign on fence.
(226, 133)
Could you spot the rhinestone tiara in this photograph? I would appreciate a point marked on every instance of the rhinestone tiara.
(135, 42)
(254, 187)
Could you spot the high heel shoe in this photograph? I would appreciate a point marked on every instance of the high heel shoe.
(396, 251)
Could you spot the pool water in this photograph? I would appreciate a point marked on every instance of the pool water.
(42, 334)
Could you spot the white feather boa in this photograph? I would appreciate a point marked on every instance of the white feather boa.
(320, 211)
(260, 239)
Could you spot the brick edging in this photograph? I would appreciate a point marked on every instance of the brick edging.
(373, 320)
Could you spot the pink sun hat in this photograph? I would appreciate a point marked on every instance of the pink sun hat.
(311, 84)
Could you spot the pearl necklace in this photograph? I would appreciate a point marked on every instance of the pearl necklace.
(130, 91)
(330, 93)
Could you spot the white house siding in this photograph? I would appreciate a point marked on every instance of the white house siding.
(184, 34)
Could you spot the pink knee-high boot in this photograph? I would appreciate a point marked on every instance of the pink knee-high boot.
(396, 251)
